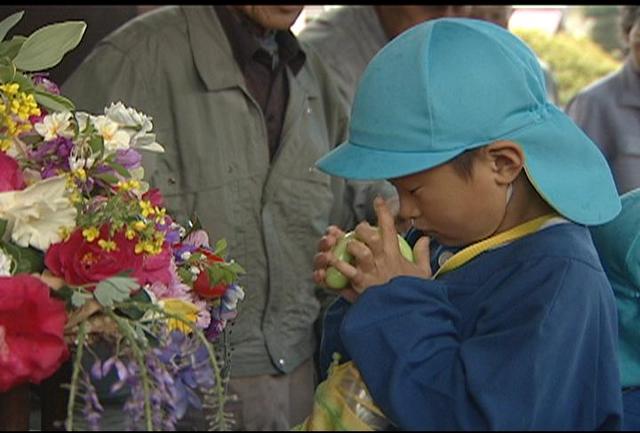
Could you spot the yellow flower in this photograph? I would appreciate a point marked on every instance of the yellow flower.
(107, 245)
(139, 225)
(91, 233)
(130, 234)
(80, 173)
(183, 309)
(146, 208)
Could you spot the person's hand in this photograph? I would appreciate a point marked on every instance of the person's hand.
(377, 254)
(323, 259)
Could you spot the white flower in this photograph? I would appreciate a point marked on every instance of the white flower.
(6, 263)
(37, 214)
(114, 138)
(55, 125)
(136, 124)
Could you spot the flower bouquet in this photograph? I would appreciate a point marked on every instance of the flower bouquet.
(88, 253)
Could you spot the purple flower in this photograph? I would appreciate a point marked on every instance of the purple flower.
(128, 158)
(42, 79)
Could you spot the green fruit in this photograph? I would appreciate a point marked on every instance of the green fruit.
(335, 279)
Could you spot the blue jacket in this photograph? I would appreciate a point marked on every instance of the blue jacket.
(521, 337)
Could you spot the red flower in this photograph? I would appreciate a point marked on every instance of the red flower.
(32, 346)
(79, 261)
(11, 178)
(202, 284)
(154, 196)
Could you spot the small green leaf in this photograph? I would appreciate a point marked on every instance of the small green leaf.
(220, 248)
(45, 47)
(53, 102)
(109, 178)
(11, 48)
(26, 85)
(7, 71)
(114, 289)
(3, 226)
(136, 312)
(97, 144)
(8, 23)
(78, 299)
(120, 169)
(64, 293)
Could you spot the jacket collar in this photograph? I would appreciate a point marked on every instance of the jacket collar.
(631, 85)
(211, 51)
(213, 55)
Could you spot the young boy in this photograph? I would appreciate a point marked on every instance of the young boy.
(518, 329)
(618, 244)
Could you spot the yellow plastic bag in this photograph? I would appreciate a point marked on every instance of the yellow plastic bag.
(342, 403)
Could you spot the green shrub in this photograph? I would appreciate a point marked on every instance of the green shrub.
(575, 62)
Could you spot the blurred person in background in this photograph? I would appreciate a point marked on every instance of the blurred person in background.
(348, 37)
(500, 15)
(609, 109)
(243, 110)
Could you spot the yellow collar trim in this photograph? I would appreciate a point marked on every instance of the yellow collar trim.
(465, 255)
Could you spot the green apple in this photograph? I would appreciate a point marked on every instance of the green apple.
(335, 279)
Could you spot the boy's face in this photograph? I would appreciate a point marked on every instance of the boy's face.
(454, 210)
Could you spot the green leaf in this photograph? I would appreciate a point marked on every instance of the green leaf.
(7, 71)
(45, 47)
(236, 268)
(3, 226)
(109, 178)
(120, 169)
(79, 298)
(114, 289)
(11, 48)
(97, 144)
(8, 23)
(220, 248)
(53, 102)
(64, 293)
(27, 260)
(135, 312)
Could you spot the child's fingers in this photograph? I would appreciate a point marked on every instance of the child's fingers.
(386, 223)
(421, 255)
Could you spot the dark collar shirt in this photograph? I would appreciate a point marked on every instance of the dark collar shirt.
(265, 73)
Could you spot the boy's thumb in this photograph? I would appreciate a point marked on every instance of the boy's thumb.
(421, 254)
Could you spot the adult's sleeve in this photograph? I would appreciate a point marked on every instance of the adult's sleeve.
(541, 358)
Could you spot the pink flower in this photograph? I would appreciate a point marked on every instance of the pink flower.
(32, 324)
(11, 178)
(156, 268)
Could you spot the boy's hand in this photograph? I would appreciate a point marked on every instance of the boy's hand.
(377, 254)
(323, 259)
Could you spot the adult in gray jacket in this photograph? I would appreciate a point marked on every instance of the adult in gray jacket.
(243, 111)
(609, 109)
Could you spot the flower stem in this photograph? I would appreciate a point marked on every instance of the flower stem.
(77, 362)
(139, 355)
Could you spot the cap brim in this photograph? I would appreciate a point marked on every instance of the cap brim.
(355, 161)
(568, 170)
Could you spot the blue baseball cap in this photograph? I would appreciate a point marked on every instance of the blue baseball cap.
(453, 84)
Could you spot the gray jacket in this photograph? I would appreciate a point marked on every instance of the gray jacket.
(609, 113)
(176, 65)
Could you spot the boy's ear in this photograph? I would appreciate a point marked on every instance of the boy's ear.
(507, 160)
